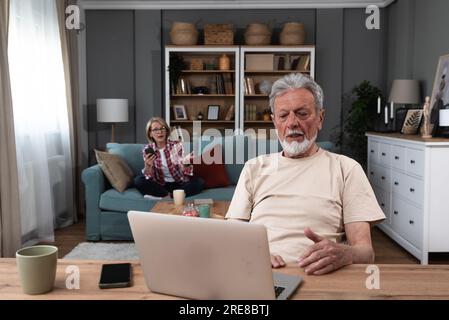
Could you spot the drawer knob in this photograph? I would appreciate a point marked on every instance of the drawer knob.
(395, 212)
(383, 178)
(412, 161)
(396, 183)
(372, 151)
(383, 154)
(382, 204)
(412, 190)
(411, 222)
(396, 158)
(371, 173)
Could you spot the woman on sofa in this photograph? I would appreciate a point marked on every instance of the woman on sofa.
(166, 167)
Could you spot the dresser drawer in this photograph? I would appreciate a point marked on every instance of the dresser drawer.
(398, 157)
(407, 186)
(407, 221)
(380, 177)
(373, 151)
(414, 162)
(385, 154)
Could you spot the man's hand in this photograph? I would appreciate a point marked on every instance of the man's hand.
(277, 261)
(324, 256)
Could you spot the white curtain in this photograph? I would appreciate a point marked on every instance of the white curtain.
(40, 119)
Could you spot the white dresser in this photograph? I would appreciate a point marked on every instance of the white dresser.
(410, 177)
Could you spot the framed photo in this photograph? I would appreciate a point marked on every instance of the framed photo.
(440, 92)
(412, 121)
(180, 112)
(213, 112)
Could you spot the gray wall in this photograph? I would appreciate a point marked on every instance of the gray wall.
(418, 37)
(123, 61)
(125, 57)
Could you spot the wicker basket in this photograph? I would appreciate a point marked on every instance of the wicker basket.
(293, 33)
(257, 34)
(183, 34)
(218, 34)
(254, 39)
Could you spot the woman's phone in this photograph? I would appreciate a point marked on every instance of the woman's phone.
(149, 150)
(116, 275)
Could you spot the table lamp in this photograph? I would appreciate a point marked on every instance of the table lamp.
(112, 111)
(403, 91)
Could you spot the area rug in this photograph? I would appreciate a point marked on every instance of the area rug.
(103, 251)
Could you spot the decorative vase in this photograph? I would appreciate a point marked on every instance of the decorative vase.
(265, 86)
(224, 62)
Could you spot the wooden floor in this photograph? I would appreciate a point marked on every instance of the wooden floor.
(387, 251)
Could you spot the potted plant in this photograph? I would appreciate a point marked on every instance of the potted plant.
(362, 105)
(175, 68)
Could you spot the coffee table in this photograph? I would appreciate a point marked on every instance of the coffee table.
(218, 208)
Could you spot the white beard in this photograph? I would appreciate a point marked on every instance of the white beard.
(296, 148)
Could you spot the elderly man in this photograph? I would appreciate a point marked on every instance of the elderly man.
(317, 206)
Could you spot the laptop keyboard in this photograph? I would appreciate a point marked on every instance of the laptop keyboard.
(278, 290)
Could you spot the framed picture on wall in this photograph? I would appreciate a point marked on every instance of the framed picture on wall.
(213, 112)
(180, 112)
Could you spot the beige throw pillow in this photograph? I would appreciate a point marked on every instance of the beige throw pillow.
(115, 169)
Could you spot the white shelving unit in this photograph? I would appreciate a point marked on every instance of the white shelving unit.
(261, 101)
(238, 56)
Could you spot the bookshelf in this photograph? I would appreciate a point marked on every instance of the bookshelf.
(260, 67)
(237, 91)
(200, 84)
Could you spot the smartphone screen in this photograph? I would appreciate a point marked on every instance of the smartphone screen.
(117, 275)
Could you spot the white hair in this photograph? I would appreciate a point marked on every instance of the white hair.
(297, 81)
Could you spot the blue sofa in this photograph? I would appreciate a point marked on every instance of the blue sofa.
(106, 208)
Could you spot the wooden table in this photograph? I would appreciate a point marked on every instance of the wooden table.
(218, 209)
(396, 282)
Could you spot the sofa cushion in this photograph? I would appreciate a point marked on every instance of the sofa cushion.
(115, 169)
(211, 171)
(131, 199)
(130, 152)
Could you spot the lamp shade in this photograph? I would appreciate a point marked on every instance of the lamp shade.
(405, 91)
(112, 110)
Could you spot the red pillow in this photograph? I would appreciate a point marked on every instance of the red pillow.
(214, 174)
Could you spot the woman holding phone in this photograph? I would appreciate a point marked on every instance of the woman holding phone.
(166, 166)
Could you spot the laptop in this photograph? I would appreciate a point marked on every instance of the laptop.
(207, 259)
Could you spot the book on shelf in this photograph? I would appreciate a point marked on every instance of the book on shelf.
(250, 112)
(304, 63)
(250, 85)
(230, 113)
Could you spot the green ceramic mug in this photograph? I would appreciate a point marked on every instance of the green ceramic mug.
(37, 268)
(204, 210)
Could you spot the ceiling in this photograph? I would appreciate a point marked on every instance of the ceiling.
(230, 4)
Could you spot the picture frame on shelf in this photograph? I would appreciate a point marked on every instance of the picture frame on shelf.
(213, 112)
(412, 121)
(440, 92)
(180, 112)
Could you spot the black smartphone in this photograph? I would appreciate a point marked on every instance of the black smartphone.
(149, 150)
(116, 275)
